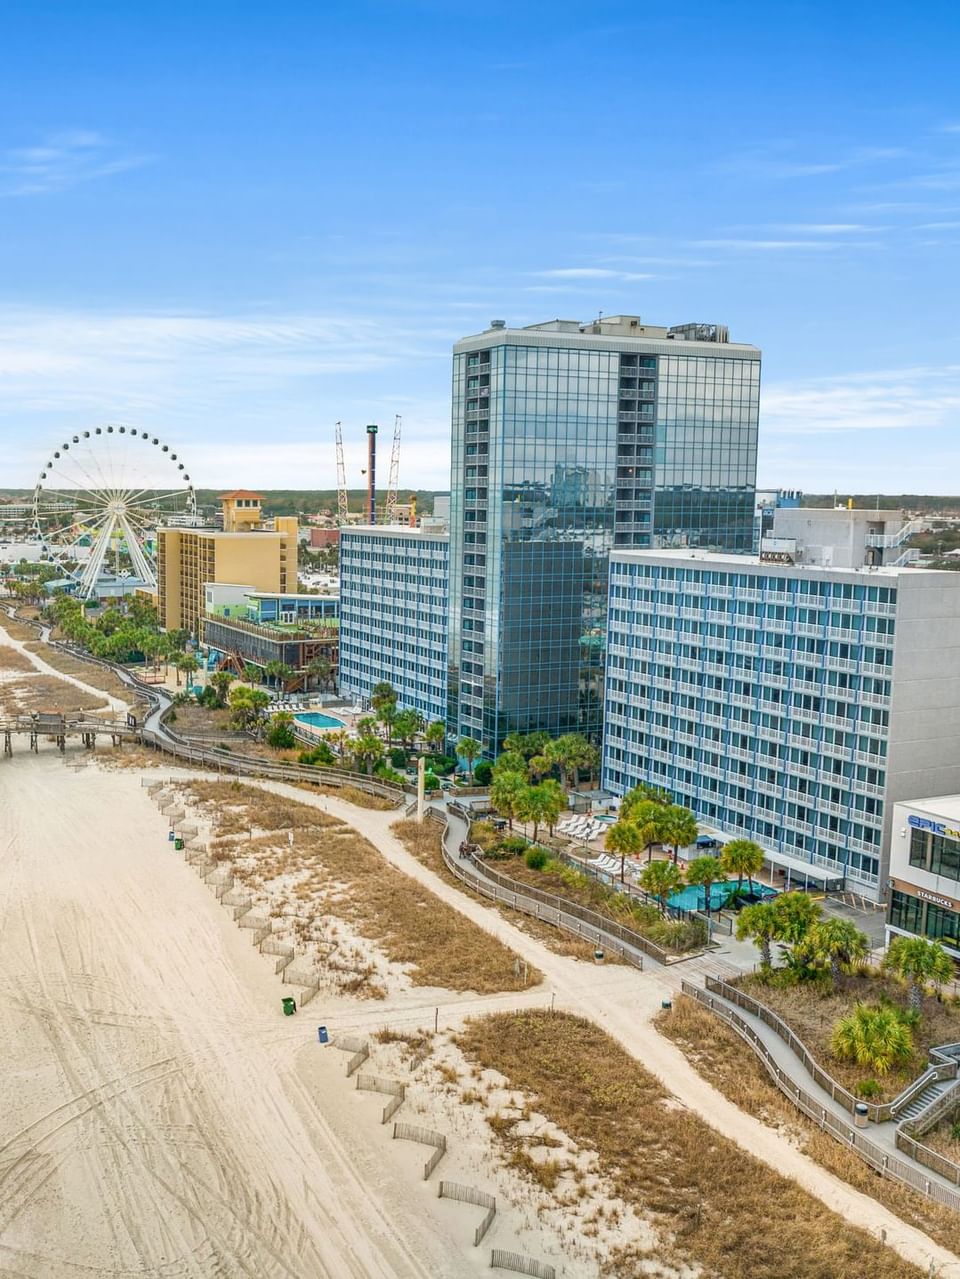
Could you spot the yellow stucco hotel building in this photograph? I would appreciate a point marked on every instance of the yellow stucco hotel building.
(247, 551)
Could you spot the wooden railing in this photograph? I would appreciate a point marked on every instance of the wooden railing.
(878, 1159)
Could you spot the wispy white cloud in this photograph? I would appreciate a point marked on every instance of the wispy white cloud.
(592, 273)
(218, 386)
(910, 398)
(768, 246)
(62, 160)
(825, 228)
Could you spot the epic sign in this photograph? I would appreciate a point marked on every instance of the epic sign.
(938, 828)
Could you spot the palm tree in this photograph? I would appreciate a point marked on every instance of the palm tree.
(538, 766)
(704, 873)
(660, 879)
(367, 752)
(188, 664)
(642, 794)
(918, 961)
(797, 913)
(320, 669)
(553, 801)
(220, 682)
(836, 942)
(506, 795)
(875, 1037)
(742, 857)
(280, 673)
(761, 923)
(407, 724)
(469, 748)
(435, 735)
(626, 840)
(680, 828)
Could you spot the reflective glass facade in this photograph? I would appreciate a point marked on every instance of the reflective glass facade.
(566, 445)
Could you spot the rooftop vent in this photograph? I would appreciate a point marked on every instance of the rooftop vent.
(498, 324)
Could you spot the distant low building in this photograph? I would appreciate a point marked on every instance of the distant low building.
(244, 628)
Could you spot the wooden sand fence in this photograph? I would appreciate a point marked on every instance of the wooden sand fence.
(471, 1195)
(426, 1137)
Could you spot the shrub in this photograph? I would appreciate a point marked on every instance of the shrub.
(874, 1036)
(398, 757)
(483, 773)
(319, 754)
(483, 833)
(281, 737)
(441, 764)
(388, 774)
(513, 844)
(537, 858)
(431, 782)
(868, 1088)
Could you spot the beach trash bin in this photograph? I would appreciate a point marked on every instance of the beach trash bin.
(598, 956)
(171, 836)
(666, 1004)
(322, 1035)
(289, 1005)
(178, 843)
(860, 1113)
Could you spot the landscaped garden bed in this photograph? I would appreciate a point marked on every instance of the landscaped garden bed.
(513, 856)
(812, 1009)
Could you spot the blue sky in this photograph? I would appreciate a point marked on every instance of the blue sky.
(233, 224)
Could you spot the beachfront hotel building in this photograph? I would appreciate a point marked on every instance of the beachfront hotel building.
(248, 550)
(393, 613)
(569, 441)
(790, 703)
(925, 871)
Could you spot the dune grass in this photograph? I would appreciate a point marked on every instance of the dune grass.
(96, 676)
(716, 1205)
(424, 842)
(326, 868)
(45, 693)
(725, 1061)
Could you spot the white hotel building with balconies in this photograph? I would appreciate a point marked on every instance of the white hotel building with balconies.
(786, 702)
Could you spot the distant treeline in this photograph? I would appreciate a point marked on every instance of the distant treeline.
(290, 501)
(885, 501)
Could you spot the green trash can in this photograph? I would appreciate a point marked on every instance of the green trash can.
(289, 1005)
(178, 843)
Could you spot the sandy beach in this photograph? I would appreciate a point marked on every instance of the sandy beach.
(160, 1117)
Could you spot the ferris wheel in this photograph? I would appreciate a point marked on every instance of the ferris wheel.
(99, 500)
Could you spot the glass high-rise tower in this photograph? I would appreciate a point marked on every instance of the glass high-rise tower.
(569, 440)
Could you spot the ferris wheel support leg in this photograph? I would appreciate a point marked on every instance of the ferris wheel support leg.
(94, 565)
(140, 562)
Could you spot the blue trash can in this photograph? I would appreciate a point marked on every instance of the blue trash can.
(171, 835)
(322, 1034)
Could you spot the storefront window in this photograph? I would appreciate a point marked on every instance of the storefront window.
(905, 912)
(943, 925)
(945, 858)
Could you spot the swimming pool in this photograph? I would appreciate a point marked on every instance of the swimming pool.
(316, 719)
(693, 897)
